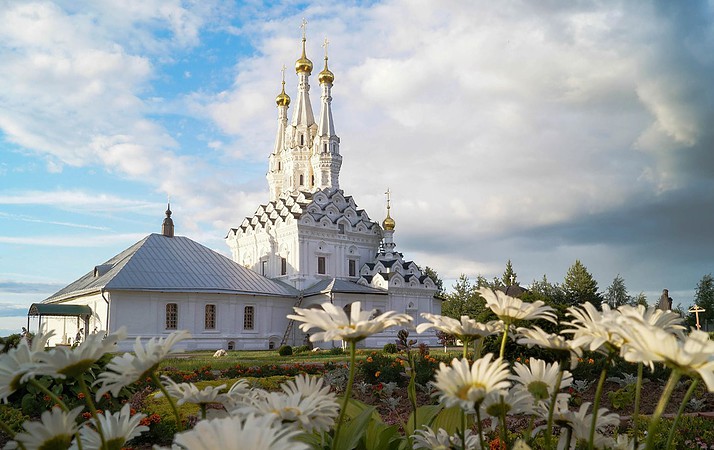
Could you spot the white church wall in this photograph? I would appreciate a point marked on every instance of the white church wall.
(65, 328)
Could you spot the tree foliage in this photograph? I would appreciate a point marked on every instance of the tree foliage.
(580, 286)
(704, 297)
(616, 294)
(464, 300)
(509, 277)
(547, 291)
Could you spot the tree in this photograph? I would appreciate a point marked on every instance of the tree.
(509, 276)
(464, 300)
(431, 273)
(639, 299)
(547, 291)
(616, 294)
(704, 298)
(580, 286)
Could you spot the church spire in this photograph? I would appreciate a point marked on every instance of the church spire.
(167, 228)
(302, 115)
(326, 159)
(275, 163)
(388, 233)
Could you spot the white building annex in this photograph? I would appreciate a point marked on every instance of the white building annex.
(309, 244)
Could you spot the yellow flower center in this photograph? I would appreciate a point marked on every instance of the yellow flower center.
(466, 391)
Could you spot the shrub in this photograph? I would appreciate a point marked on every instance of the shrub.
(12, 417)
(285, 350)
(379, 367)
(336, 351)
(390, 348)
(302, 349)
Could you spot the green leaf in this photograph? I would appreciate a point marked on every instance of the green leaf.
(449, 419)
(424, 414)
(353, 430)
(381, 436)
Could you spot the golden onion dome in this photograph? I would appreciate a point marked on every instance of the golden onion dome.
(283, 99)
(303, 64)
(388, 223)
(326, 76)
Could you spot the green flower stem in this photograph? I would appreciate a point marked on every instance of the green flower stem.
(503, 341)
(92, 408)
(596, 403)
(412, 386)
(348, 393)
(663, 400)
(203, 410)
(50, 394)
(172, 403)
(568, 437)
(685, 400)
(465, 344)
(502, 419)
(551, 410)
(638, 398)
(479, 426)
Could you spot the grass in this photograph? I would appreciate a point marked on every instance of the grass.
(192, 360)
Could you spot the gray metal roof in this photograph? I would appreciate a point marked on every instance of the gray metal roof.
(342, 286)
(175, 264)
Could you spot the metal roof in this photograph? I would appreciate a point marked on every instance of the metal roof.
(44, 309)
(172, 264)
(342, 286)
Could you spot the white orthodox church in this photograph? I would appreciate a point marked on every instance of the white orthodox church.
(308, 245)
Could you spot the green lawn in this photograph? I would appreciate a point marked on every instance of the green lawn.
(193, 360)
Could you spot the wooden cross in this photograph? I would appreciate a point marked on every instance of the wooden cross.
(696, 309)
(304, 27)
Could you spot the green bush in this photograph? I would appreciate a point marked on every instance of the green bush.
(302, 349)
(285, 350)
(379, 367)
(336, 351)
(12, 417)
(622, 398)
(390, 348)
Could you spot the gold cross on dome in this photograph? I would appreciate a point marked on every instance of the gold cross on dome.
(389, 197)
(283, 71)
(325, 44)
(304, 27)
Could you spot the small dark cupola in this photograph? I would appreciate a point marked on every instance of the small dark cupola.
(167, 228)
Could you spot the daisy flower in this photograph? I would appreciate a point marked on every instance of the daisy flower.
(593, 329)
(516, 401)
(539, 378)
(666, 320)
(233, 433)
(74, 362)
(466, 329)
(441, 440)
(304, 402)
(126, 369)
(336, 325)
(189, 393)
(19, 363)
(692, 356)
(580, 422)
(239, 395)
(511, 309)
(537, 337)
(467, 386)
(118, 429)
(54, 430)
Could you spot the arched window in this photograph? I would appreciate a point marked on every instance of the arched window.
(302, 179)
(231, 345)
(171, 316)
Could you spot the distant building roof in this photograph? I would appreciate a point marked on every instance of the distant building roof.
(175, 264)
(341, 286)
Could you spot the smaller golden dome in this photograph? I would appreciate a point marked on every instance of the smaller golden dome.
(388, 223)
(326, 76)
(303, 64)
(283, 99)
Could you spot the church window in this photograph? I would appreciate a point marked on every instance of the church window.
(248, 318)
(279, 166)
(283, 266)
(341, 228)
(321, 265)
(352, 268)
(231, 345)
(302, 179)
(324, 147)
(264, 268)
(312, 180)
(302, 139)
(210, 317)
(171, 316)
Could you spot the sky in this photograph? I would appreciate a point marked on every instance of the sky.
(540, 132)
